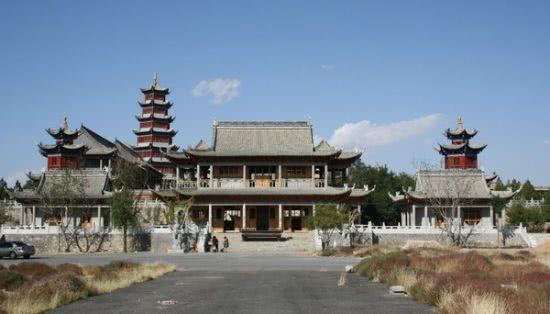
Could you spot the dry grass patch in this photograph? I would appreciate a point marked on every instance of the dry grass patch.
(41, 287)
(465, 282)
(122, 279)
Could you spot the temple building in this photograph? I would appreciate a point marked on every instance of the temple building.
(460, 190)
(76, 184)
(154, 133)
(460, 153)
(261, 175)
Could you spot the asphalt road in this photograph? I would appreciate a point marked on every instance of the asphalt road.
(242, 283)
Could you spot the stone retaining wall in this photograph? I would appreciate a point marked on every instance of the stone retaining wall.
(55, 243)
(400, 239)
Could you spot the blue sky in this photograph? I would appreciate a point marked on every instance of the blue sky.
(387, 77)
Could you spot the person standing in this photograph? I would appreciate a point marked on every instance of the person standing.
(215, 244)
(225, 244)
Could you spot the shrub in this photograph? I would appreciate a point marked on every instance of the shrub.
(46, 293)
(120, 265)
(465, 282)
(33, 270)
(10, 280)
(70, 268)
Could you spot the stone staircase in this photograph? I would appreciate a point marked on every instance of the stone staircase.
(294, 243)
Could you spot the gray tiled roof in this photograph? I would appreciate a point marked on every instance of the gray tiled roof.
(93, 184)
(264, 138)
(95, 143)
(451, 184)
(466, 148)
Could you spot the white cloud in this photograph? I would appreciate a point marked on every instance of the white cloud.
(547, 142)
(327, 67)
(365, 133)
(221, 90)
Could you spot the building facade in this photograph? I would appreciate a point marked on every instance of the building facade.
(76, 186)
(259, 175)
(459, 191)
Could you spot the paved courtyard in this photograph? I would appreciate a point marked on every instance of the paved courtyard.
(242, 283)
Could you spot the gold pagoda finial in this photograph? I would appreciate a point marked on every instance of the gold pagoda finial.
(459, 120)
(155, 80)
(65, 123)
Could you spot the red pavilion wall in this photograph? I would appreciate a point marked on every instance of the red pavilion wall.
(460, 162)
(61, 162)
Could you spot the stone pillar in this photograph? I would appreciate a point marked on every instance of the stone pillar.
(101, 164)
(198, 176)
(403, 219)
(66, 217)
(210, 218)
(502, 217)
(413, 220)
(425, 221)
(109, 164)
(459, 215)
(34, 215)
(281, 216)
(211, 176)
(326, 175)
(244, 176)
(244, 216)
(177, 177)
(21, 222)
(99, 217)
(491, 218)
(314, 209)
(280, 171)
(313, 175)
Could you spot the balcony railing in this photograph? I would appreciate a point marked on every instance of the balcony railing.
(232, 183)
(228, 183)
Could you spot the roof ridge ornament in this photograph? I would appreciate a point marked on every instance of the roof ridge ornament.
(459, 122)
(155, 81)
(65, 125)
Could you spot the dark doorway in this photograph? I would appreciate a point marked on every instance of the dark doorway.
(262, 219)
(228, 225)
(296, 223)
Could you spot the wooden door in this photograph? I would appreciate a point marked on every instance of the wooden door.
(262, 219)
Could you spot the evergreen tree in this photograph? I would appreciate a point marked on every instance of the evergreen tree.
(528, 191)
(125, 214)
(379, 207)
(17, 186)
(3, 189)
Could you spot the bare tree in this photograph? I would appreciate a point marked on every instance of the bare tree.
(62, 198)
(448, 191)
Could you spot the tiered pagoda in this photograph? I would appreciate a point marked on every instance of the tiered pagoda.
(460, 154)
(154, 135)
(460, 190)
(65, 153)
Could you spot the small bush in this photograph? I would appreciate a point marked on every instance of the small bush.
(70, 269)
(33, 270)
(10, 280)
(465, 282)
(50, 288)
(120, 265)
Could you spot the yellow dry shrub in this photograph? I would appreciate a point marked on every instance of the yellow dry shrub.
(406, 277)
(125, 278)
(486, 304)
